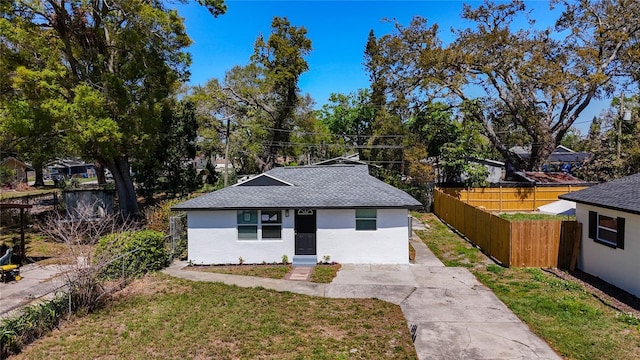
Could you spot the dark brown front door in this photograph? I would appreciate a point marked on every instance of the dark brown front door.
(305, 229)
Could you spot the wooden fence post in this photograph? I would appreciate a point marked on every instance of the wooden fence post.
(576, 247)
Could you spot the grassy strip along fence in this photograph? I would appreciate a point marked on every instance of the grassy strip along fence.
(33, 322)
(547, 243)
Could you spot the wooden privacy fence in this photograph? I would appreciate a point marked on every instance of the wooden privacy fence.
(511, 198)
(546, 243)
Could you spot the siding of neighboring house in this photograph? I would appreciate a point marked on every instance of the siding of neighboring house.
(213, 238)
(18, 167)
(616, 266)
(338, 239)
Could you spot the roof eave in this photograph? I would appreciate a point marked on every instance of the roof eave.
(610, 207)
(409, 207)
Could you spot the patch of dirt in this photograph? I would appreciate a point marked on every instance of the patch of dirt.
(608, 294)
(149, 285)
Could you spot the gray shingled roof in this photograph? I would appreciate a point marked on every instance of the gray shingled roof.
(622, 194)
(337, 186)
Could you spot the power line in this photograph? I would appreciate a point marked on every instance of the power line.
(287, 143)
(318, 133)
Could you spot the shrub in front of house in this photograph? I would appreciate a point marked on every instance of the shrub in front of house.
(131, 253)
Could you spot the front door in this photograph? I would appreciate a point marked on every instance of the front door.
(305, 228)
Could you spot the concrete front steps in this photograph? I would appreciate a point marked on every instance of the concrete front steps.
(305, 260)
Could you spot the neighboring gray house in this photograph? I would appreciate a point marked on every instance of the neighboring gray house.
(308, 213)
(561, 159)
(610, 217)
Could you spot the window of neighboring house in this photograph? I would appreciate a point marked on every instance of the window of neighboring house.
(606, 230)
(269, 221)
(271, 224)
(366, 219)
(247, 224)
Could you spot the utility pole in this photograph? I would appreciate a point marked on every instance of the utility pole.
(226, 155)
(620, 116)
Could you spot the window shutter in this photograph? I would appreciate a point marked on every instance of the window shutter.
(620, 242)
(593, 224)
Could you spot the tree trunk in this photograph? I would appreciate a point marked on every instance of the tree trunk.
(127, 199)
(39, 181)
(99, 167)
(540, 152)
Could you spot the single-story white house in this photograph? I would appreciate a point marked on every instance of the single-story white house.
(610, 248)
(308, 213)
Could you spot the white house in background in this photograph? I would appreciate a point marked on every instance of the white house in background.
(307, 213)
(610, 248)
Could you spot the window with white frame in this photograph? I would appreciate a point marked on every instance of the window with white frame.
(268, 221)
(606, 230)
(366, 219)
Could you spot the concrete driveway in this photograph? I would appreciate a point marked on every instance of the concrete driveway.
(38, 282)
(452, 315)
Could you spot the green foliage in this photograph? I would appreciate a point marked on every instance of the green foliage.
(261, 100)
(6, 175)
(324, 273)
(168, 165)
(602, 142)
(157, 216)
(534, 216)
(496, 269)
(349, 117)
(102, 72)
(132, 253)
(532, 83)
(419, 191)
(628, 318)
(33, 322)
(457, 156)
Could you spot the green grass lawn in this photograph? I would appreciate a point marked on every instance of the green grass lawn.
(534, 216)
(321, 273)
(159, 317)
(575, 323)
(18, 194)
(265, 271)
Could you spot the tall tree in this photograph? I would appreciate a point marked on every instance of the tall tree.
(606, 131)
(30, 79)
(120, 60)
(541, 79)
(386, 143)
(168, 165)
(263, 97)
(281, 56)
(350, 117)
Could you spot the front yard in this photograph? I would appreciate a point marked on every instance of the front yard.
(577, 324)
(160, 317)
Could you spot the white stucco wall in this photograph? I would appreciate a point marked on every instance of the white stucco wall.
(213, 239)
(619, 267)
(338, 239)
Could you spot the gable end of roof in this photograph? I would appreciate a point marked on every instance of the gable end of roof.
(264, 179)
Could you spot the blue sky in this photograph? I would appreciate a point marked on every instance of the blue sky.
(338, 31)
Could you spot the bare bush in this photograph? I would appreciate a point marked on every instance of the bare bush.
(84, 274)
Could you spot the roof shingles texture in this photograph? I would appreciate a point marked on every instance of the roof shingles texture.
(621, 194)
(314, 187)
